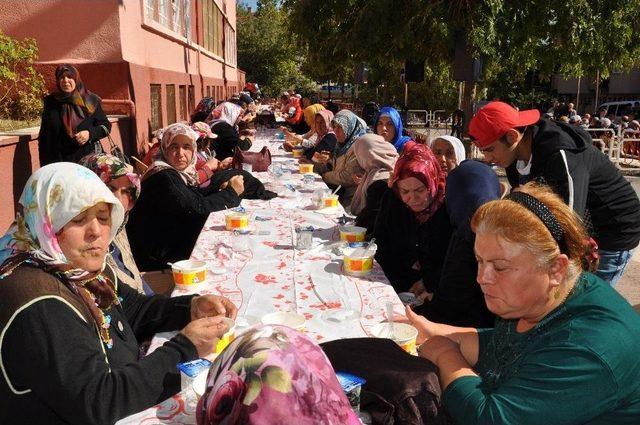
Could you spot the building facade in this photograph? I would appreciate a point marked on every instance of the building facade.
(151, 61)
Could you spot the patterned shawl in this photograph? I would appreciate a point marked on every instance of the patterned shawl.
(78, 104)
(353, 127)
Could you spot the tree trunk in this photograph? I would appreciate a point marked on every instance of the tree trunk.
(468, 99)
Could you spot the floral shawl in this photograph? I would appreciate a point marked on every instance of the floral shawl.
(109, 167)
(418, 161)
(78, 104)
(353, 127)
(273, 374)
(189, 175)
(52, 197)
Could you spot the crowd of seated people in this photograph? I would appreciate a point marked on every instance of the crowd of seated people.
(506, 293)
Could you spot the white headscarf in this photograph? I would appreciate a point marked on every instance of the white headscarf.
(458, 147)
(227, 112)
(189, 175)
(51, 198)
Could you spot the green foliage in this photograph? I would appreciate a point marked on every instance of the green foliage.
(267, 50)
(21, 86)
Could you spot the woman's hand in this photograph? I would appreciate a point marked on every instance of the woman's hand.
(321, 157)
(213, 164)
(287, 146)
(212, 305)
(236, 183)
(225, 164)
(420, 292)
(82, 137)
(426, 328)
(433, 348)
(204, 333)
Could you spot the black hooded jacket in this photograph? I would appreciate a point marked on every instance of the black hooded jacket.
(564, 157)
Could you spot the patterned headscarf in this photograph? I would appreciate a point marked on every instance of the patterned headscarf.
(353, 127)
(327, 116)
(273, 374)
(399, 140)
(189, 175)
(227, 112)
(78, 104)
(310, 114)
(52, 197)
(205, 106)
(109, 167)
(377, 158)
(455, 143)
(419, 162)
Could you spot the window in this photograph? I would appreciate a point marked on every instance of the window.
(212, 27)
(156, 107)
(230, 44)
(208, 91)
(182, 92)
(172, 14)
(171, 104)
(192, 99)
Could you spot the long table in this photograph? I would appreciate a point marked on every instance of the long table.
(273, 276)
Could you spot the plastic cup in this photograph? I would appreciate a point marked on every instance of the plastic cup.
(357, 266)
(227, 337)
(236, 221)
(403, 334)
(329, 201)
(352, 233)
(189, 272)
(286, 318)
(297, 151)
(305, 168)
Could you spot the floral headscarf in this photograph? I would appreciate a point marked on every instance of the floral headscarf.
(273, 374)
(52, 197)
(109, 167)
(78, 104)
(399, 140)
(227, 112)
(203, 130)
(419, 162)
(189, 175)
(310, 114)
(377, 158)
(327, 116)
(353, 127)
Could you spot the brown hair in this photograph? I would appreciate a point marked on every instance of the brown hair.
(517, 224)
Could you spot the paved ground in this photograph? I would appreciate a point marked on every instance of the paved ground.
(629, 284)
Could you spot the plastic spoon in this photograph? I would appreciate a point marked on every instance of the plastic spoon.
(336, 190)
(389, 313)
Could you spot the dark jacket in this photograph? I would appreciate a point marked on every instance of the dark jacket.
(327, 143)
(55, 145)
(368, 215)
(60, 370)
(227, 140)
(458, 299)
(165, 223)
(564, 158)
(402, 241)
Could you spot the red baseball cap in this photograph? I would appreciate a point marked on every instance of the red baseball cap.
(492, 121)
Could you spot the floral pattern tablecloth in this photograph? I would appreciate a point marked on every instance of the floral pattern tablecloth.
(271, 275)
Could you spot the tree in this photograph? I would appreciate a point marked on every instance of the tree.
(267, 51)
(21, 86)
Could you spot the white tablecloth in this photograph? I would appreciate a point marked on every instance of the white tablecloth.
(273, 276)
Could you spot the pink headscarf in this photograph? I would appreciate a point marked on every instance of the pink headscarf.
(377, 158)
(327, 116)
(419, 162)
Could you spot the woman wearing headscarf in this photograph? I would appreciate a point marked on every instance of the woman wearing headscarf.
(564, 348)
(165, 222)
(124, 183)
(376, 157)
(412, 229)
(449, 151)
(223, 121)
(72, 120)
(70, 328)
(457, 298)
(296, 383)
(339, 168)
(202, 111)
(389, 125)
(310, 138)
(295, 116)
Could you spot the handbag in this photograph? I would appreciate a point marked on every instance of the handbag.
(114, 149)
(259, 161)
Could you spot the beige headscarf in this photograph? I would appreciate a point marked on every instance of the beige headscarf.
(189, 175)
(377, 157)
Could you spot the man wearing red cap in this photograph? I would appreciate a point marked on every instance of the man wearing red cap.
(563, 156)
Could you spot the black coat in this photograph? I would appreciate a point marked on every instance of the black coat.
(55, 145)
(402, 241)
(369, 214)
(227, 140)
(327, 143)
(564, 158)
(165, 223)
